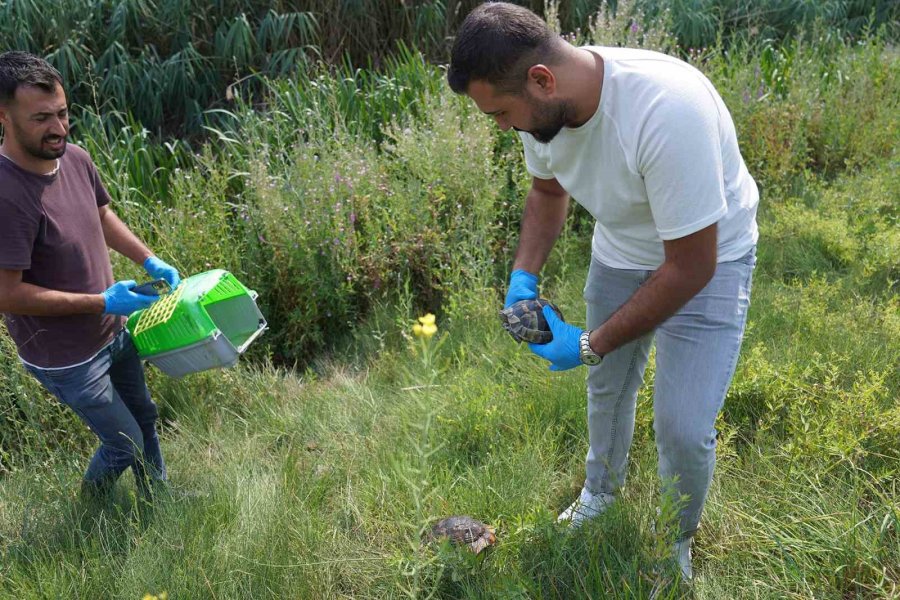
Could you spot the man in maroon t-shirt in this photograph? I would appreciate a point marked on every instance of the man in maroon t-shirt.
(57, 293)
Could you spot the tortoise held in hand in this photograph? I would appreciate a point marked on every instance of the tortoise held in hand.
(525, 320)
(461, 529)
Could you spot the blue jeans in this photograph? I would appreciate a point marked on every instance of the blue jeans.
(696, 353)
(110, 395)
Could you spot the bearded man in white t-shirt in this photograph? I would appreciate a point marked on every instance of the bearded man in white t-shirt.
(644, 142)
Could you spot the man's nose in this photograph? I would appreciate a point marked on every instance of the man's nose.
(502, 123)
(59, 126)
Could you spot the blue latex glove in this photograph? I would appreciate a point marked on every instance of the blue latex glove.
(159, 269)
(120, 300)
(522, 286)
(563, 351)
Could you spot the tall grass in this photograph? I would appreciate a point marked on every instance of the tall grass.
(318, 485)
(355, 203)
(380, 164)
(359, 179)
(168, 61)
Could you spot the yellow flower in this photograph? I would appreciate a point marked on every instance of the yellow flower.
(425, 327)
(149, 597)
(164, 596)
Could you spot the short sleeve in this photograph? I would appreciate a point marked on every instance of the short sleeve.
(679, 156)
(534, 163)
(100, 192)
(19, 226)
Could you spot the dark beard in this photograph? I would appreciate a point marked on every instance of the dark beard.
(549, 120)
(545, 135)
(38, 151)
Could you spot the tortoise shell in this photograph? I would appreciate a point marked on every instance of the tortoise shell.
(525, 320)
(463, 530)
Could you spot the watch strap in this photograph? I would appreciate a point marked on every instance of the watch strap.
(586, 353)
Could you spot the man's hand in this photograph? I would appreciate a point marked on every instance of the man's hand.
(522, 286)
(159, 269)
(563, 351)
(120, 300)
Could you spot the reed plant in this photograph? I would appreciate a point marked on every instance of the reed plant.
(167, 62)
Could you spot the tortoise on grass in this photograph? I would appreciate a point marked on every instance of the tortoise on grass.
(525, 321)
(462, 529)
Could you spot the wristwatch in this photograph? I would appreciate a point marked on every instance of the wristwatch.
(585, 353)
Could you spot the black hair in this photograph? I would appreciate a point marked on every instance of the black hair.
(497, 43)
(24, 69)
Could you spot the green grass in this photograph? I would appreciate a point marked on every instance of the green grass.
(355, 204)
(318, 484)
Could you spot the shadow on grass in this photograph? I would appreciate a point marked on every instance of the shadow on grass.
(85, 524)
(63, 525)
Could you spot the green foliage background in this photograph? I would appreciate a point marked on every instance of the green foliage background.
(168, 61)
(355, 196)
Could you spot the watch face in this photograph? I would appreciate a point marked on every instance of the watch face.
(588, 356)
(591, 359)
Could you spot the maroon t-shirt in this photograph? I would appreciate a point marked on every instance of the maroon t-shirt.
(50, 230)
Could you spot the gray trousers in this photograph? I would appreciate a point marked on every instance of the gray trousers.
(696, 354)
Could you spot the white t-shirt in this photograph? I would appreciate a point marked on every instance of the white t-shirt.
(659, 160)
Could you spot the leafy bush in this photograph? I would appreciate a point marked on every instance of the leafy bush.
(834, 108)
(347, 225)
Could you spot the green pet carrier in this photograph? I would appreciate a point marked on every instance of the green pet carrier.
(205, 323)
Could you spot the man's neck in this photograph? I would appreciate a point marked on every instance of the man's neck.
(588, 85)
(32, 164)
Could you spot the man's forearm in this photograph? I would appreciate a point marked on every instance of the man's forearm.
(121, 239)
(28, 299)
(542, 223)
(655, 301)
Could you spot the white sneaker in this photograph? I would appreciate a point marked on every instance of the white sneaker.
(588, 506)
(683, 556)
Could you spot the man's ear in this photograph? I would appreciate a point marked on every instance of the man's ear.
(541, 81)
(4, 114)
